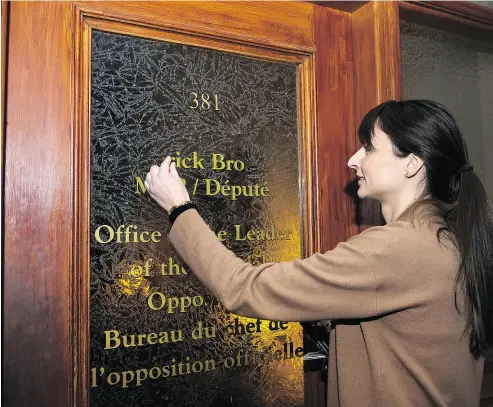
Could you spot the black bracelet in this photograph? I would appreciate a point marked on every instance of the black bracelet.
(180, 209)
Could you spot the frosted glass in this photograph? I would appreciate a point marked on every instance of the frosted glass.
(457, 72)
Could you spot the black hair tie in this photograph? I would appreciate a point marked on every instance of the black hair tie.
(465, 168)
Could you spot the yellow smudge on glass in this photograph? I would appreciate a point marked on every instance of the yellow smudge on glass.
(131, 283)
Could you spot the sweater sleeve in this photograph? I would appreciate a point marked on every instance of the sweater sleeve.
(338, 284)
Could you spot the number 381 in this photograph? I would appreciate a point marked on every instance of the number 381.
(204, 101)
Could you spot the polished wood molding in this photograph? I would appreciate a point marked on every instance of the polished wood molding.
(81, 63)
(348, 6)
(37, 325)
(310, 197)
(5, 11)
(273, 51)
(461, 17)
(465, 10)
(335, 92)
(377, 64)
(135, 19)
(243, 22)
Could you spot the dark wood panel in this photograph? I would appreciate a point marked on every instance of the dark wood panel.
(5, 10)
(37, 316)
(348, 6)
(39, 189)
(461, 17)
(487, 390)
(334, 67)
(464, 9)
(376, 45)
(315, 389)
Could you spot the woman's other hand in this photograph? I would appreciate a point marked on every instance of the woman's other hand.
(165, 186)
(325, 324)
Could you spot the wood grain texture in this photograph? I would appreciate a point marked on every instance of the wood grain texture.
(465, 9)
(377, 62)
(285, 24)
(460, 17)
(487, 390)
(336, 143)
(310, 198)
(44, 191)
(252, 49)
(348, 6)
(5, 10)
(37, 323)
(315, 389)
(81, 202)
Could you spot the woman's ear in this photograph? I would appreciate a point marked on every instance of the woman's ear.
(414, 164)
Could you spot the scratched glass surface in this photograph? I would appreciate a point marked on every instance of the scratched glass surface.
(150, 99)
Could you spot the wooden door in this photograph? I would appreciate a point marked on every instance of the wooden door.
(46, 213)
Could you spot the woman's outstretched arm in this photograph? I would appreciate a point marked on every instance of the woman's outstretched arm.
(338, 284)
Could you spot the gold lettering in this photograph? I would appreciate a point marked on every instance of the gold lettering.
(112, 336)
(110, 231)
(221, 235)
(219, 164)
(270, 233)
(172, 268)
(141, 338)
(213, 187)
(204, 103)
(113, 340)
(139, 186)
(151, 338)
(128, 234)
(174, 304)
(194, 100)
(208, 191)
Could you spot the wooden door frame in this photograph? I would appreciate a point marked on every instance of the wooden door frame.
(42, 211)
(39, 214)
(176, 27)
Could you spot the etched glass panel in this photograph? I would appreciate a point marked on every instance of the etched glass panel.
(457, 72)
(157, 337)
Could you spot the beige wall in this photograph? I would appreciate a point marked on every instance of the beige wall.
(458, 73)
(484, 3)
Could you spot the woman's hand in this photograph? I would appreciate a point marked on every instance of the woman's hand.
(165, 186)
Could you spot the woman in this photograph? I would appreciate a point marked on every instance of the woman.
(411, 301)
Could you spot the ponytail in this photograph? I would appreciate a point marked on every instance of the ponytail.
(473, 230)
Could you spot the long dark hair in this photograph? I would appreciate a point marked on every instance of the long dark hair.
(426, 129)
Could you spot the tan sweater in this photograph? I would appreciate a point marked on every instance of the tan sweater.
(398, 337)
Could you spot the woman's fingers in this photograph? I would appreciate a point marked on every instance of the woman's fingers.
(165, 186)
(154, 171)
(164, 168)
(173, 172)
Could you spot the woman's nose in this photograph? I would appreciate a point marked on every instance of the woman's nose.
(355, 161)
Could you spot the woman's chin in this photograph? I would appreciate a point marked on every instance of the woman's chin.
(362, 193)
